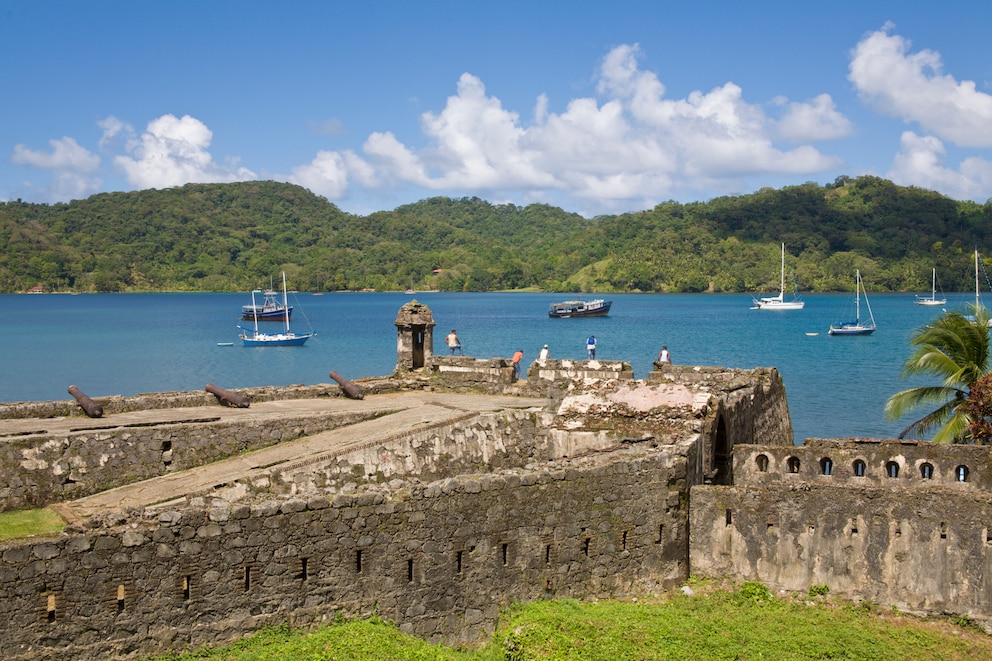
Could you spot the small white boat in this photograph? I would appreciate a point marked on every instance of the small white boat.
(811, 334)
(932, 298)
(857, 326)
(779, 302)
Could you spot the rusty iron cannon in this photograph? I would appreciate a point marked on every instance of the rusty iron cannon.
(350, 390)
(234, 399)
(91, 408)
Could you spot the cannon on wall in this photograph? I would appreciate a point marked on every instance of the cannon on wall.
(234, 399)
(91, 408)
(350, 390)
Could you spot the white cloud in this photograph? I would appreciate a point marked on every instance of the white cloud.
(913, 88)
(172, 152)
(920, 162)
(73, 169)
(329, 173)
(629, 144)
(815, 120)
(66, 155)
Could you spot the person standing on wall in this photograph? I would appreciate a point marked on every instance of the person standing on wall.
(454, 344)
(517, 357)
(591, 347)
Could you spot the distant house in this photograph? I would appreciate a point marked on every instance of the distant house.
(37, 289)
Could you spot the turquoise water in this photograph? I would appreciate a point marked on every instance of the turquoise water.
(124, 344)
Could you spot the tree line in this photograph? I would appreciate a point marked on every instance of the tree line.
(234, 237)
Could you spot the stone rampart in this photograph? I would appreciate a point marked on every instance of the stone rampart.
(172, 400)
(921, 550)
(40, 469)
(439, 559)
(497, 441)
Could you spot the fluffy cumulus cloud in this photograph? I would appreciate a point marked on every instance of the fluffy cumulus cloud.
(73, 168)
(629, 143)
(173, 151)
(921, 162)
(912, 87)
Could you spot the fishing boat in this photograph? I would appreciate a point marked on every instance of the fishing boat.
(566, 309)
(779, 302)
(271, 308)
(858, 325)
(253, 338)
(932, 298)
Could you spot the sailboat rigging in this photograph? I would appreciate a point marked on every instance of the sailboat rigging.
(932, 298)
(253, 338)
(779, 302)
(857, 326)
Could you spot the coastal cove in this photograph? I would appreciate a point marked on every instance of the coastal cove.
(125, 344)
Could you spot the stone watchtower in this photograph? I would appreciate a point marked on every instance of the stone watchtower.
(414, 336)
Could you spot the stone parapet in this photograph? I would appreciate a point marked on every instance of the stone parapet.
(860, 462)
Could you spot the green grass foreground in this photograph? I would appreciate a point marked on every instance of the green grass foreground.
(747, 623)
(29, 522)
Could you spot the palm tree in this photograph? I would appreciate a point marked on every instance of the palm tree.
(956, 349)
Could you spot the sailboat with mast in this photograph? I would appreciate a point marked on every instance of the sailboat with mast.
(779, 302)
(287, 338)
(932, 298)
(857, 326)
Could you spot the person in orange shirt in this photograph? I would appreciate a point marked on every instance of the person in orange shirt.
(516, 363)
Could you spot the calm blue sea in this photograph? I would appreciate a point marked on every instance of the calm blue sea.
(124, 344)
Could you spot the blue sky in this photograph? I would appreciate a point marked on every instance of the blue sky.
(595, 107)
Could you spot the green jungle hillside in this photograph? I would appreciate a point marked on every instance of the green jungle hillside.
(235, 237)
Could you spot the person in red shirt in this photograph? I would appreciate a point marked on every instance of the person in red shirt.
(516, 363)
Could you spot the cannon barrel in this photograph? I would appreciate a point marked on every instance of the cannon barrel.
(350, 389)
(233, 398)
(92, 409)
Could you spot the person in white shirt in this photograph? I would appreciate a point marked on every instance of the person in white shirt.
(544, 354)
(454, 344)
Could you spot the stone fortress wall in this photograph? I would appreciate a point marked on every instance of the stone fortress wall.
(608, 487)
(905, 524)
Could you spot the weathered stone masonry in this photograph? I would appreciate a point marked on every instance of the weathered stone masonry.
(436, 530)
(440, 559)
(900, 523)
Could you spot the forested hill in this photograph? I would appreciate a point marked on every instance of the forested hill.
(234, 237)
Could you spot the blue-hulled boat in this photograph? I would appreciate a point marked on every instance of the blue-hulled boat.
(251, 337)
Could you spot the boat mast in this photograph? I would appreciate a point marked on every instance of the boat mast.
(782, 285)
(857, 296)
(977, 301)
(285, 304)
(933, 287)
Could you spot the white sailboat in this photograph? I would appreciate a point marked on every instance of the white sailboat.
(253, 338)
(932, 298)
(779, 302)
(857, 326)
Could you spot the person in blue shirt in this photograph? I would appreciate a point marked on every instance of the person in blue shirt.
(591, 347)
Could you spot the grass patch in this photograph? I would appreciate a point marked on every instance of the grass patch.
(747, 623)
(23, 523)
